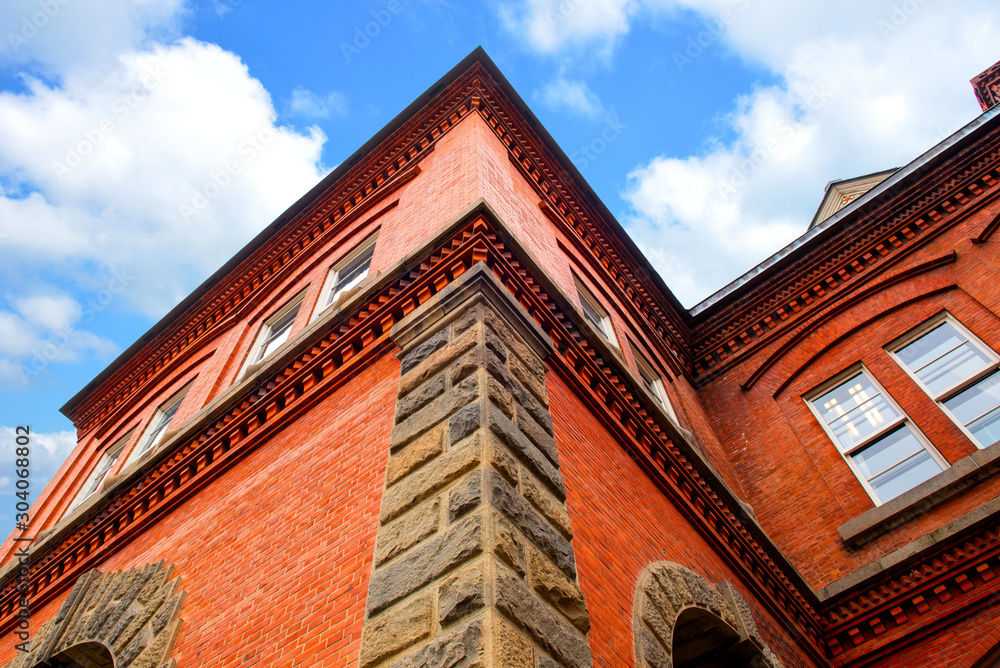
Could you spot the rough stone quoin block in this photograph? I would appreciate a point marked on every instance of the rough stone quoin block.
(474, 555)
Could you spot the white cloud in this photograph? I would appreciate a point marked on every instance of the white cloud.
(572, 96)
(139, 180)
(48, 451)
(549, 25)
(306, 103)
(61, 35)
(860, 91)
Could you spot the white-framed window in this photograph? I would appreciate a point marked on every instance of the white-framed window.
(101, 471)
(158, 426)
(274, 332)
(653, 382)
(595, 314)
(346, 274)
(958, 371)
(880, 444)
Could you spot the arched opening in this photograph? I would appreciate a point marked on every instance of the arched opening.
(702, 640)
(84, 655)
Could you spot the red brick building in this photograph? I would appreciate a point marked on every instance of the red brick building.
(442, 412)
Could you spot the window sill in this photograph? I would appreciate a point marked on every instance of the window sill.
(963, 474)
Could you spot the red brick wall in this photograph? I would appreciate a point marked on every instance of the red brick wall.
(622, 523)
(275, 554)
(790, 468)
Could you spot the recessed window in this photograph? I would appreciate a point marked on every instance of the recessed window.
(653, 382)
(101, 471)
(274, 332)
(596, 315)
(159, 425)
(346, 274)
(959, 372)
(876, 438)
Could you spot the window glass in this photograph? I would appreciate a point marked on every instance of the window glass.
(943, 357)
(595, 318)
(103, 468)
(854, 410)
(905, 476)
(978, 408)
(159, 425)
(879, 442)
(276, 334)
(955, 369)
(352, 273)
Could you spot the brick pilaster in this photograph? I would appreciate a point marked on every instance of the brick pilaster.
(474, 562)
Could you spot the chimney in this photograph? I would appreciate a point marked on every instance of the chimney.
(987, 87)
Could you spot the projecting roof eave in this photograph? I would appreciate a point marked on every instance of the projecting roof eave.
(477, 56)
(757, 274)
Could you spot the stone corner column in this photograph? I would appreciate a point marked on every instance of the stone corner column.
(474, 562)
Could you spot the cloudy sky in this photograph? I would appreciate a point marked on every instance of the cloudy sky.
(143, 142)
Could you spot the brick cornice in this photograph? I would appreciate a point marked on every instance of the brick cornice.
(327, 355)
(959, 575)
(383, 170)
(862, 247)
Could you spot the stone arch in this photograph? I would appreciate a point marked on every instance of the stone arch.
(681, 620)
(84, 655)
(126, 619)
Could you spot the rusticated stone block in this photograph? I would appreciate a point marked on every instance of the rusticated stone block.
(547, 504)
(424, 350)
(435, 363)
(500, 397)
(495, 346)
(425, 563)
(135, 613)
(414, 455)
(654, 619)
(465, 421)
(396, 630)
(430, 479)
(461, 648)
(531, 524)
(654, 656)
(407, 531)
(465, 497)
(508, 544)
(461, 594)
(500, 458)
(545, 441)
(534, 383)
(510, 648)
(521, 446)
(419, 398)
(434, 412)
(472, 425)
(541, 622)
(553, 586)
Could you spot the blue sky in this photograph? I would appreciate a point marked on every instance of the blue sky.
(143, 142)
